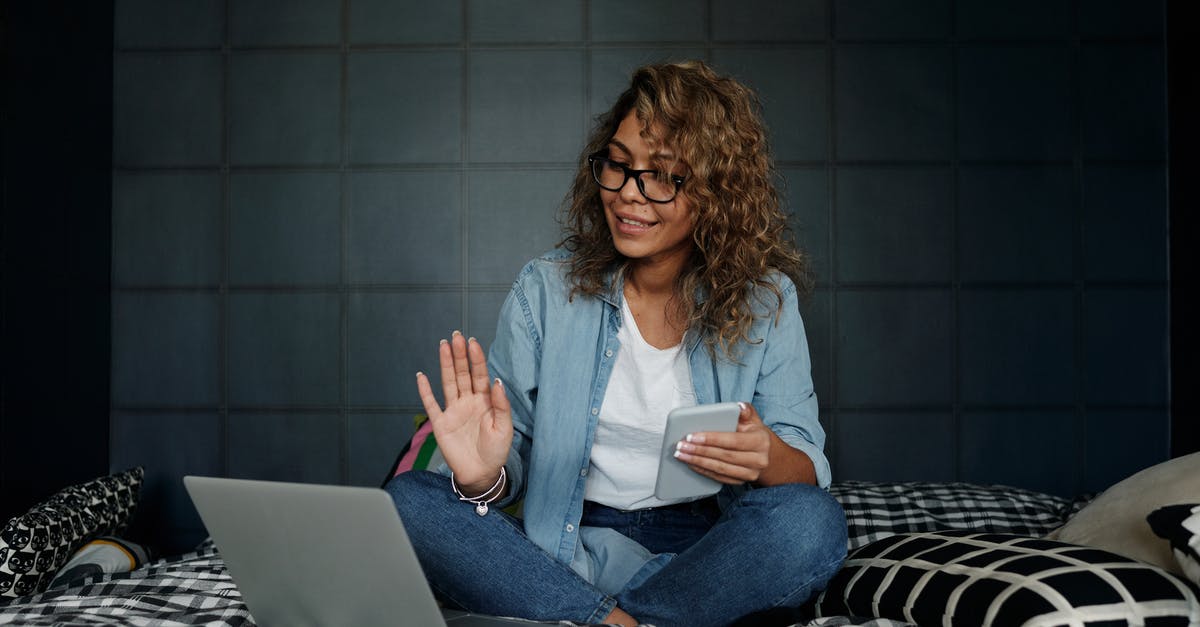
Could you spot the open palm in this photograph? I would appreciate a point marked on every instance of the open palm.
(474, 431)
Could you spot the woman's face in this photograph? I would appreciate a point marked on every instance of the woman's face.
(643, 230)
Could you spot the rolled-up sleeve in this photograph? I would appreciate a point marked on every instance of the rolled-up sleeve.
(783, 394)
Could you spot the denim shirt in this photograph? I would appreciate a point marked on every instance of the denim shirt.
(555, 354)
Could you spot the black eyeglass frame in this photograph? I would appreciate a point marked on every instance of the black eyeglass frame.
(636, 175)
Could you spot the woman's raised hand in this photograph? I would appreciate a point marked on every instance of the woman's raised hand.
(474, 431)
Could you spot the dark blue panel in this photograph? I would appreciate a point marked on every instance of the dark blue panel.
(304, 448)
(285, 229)
(769, 20)
(893, 103)
(1120, 443)
(166, 229)
(165, 349)
(1123, 88)
(512, 220)
(804, 195)
(525, 21)
(895, 446)
(818, 327)
(285, 108)
(168, 446)
(611, 69)
(482, 314)
(894, 224)
(285, 22)
(1121, 18)
(1016, 103)
(648, 20)
(1014, 19)
(1035, 450)
(526, 105)
(375, 441)
(1017, 347)
(1126, 335)
(283, 349)
(1125, 223)
(1016, 223)
(176, 24)
(390, 22)
(894, 347)
(392, 336)
(892, 19)
(793, 86)
(167, 110)
(405, 227)
(390, 123)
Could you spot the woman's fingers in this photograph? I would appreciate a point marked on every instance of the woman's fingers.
(427, 399)
(462, 371)
(479, 371)
(446, 367)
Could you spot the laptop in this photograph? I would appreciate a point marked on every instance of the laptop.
(306, 554)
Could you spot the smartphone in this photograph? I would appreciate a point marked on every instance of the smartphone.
(675, 479)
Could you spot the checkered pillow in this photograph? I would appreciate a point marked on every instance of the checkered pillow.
(969, 578)
(878, 510)
(1180, 525)
(35, 544)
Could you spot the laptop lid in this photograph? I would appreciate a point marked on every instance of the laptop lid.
(305, 554)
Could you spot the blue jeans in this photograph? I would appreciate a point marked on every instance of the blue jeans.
(772, 548)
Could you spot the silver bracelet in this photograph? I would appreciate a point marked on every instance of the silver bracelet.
(490, 496)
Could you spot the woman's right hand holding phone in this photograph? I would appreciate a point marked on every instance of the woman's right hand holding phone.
(474, 431)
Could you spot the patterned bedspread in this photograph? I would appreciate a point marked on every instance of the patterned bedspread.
(191, 589)
(196, 589)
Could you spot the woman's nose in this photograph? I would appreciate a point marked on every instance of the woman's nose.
(630, 191)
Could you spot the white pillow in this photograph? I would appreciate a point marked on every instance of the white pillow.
(1116, 520)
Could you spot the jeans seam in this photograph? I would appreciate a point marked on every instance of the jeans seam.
(607, 604)
(829, 567)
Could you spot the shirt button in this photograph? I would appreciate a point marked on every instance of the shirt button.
(570, 528)
(583, 472)
(608, 353)
(595, 411)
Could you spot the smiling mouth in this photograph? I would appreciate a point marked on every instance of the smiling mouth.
(635, 222)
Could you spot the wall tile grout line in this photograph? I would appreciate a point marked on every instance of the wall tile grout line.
(225, 427)
(344, 426)
(956, 411)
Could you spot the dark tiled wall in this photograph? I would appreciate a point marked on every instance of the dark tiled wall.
(308, 195)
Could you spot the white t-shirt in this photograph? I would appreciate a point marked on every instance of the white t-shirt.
(645, 385)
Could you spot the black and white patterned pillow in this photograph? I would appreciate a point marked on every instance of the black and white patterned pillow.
(878, 510)
(35, 544)
(1180, 525)
(970, 578)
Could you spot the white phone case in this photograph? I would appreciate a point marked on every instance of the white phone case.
(675, 479)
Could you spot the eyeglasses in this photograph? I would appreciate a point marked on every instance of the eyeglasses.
(658, 187)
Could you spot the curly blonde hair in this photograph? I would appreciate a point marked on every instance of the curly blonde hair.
(741, 235)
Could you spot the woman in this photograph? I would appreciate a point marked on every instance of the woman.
(674, 287)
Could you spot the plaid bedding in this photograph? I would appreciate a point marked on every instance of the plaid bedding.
(195, 588)
(878, 510)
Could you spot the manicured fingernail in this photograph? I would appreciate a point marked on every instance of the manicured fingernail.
(471, 339)
(742, 405)
(499, 382)
(695, 438)
(688, 437)
(443, 341)
(456, 332)
(419, 373)
(677, 454)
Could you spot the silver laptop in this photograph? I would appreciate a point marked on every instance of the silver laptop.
(304, 554)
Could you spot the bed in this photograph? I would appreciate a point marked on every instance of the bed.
(920, 553)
